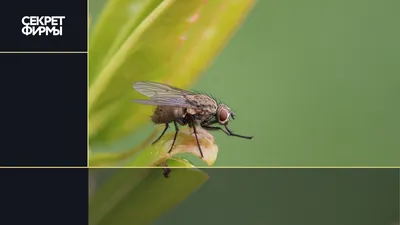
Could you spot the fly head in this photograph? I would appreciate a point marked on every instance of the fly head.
(223, 114)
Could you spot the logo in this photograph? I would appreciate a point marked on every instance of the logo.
(42, 25)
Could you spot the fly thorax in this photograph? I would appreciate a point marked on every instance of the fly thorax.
(191, 111)
(202, 102)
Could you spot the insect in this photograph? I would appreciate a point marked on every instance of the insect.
(167, 170)
(184, 107)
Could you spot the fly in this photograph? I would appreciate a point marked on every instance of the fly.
(184, 107)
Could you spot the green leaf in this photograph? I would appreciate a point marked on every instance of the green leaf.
(118, 20)
(170, 42)
(179, 162)
(115, 158)
(154, 155)
(139, 196)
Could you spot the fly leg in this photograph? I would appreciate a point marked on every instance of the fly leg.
(236, 135)
(195, 134)
(162, 134)
(166, 170)
(213, 128)
(176, 134)
(227, 131)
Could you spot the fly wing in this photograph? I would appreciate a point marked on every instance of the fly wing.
(164, 102)
(154, 90)
(161, 94)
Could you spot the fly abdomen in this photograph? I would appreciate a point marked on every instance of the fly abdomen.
(167, 114)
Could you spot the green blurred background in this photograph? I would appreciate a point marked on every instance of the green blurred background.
(292, 197)
(287, 197)
(316, 82)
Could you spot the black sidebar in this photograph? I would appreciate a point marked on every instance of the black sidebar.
(43, 112)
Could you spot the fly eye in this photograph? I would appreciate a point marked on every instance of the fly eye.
(223, 116)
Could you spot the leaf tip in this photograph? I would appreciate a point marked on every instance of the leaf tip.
(186, 142)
